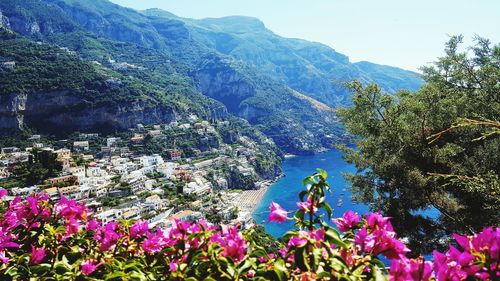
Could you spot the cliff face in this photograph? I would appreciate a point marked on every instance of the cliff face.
(12, 109)
(63, 112)
(107, 19)
(4, 21)
(224, 84)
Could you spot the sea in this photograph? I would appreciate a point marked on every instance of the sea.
(286, 190)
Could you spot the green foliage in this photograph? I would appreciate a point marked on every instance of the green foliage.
(59, 241)
(313, 198)
(109, 202)
(168, 59)
(405, 166)
(39, 67)
(260, 237)
(41, 166)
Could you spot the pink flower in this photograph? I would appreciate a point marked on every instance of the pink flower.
(173, 265)
(407, 270)
(203, 224)
(70, 209)
(89, 266)
(283, 252)
(3, 193)
(318, 234)
(27, 212)
(72, 227)
(232, 243)
(277, 213)
(377, 221)
(108, 236)
(154, 243)
(3, 258)
(296, 241)
(454, 265)
(37, 255)
(308, 206)
(481, 252)
(380, 241)
(139, 229)
(398, 270)
(420, 269)
(93, 224)
(5, 240)
(487, 241)
(349, 220)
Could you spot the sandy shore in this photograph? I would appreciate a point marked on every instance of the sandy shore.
(247, 200)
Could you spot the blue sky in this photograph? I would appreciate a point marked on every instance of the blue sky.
(402, 33)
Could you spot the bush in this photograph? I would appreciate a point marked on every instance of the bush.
(39, 239)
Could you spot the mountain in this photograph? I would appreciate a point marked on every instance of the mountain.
(311, 68)
(53, 90)
(171, 66)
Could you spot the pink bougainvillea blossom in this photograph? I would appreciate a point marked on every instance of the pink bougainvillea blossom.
(139, 229)
(37, 255)
(308, 207)
(89, 266)
(277, 214)
(349, 220)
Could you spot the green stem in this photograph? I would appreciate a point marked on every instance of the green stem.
(313, 199)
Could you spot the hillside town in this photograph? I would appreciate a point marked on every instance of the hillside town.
(119, 180)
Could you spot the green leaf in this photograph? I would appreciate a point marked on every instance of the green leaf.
(244, 267)
(378, 275)
(302, 194)
(334, 237)
(40, 269)
(328, 209)
(280, 270)
(323, 173)
(115, 274)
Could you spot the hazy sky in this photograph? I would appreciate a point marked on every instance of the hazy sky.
(401, 33)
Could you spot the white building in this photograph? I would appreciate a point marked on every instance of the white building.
(167, 169)
(110, 215)
(153, 160)
(81, 145)
(112, 141)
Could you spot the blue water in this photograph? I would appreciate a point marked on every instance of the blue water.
(286, 190)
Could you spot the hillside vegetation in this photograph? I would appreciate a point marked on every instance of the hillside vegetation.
(436, 149)
(180, 58)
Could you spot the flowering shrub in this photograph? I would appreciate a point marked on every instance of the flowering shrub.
(41, 240)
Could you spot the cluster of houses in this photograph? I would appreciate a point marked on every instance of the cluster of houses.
(136, 182)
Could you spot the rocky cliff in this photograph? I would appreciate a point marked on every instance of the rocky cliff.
(62, 112)
(12, 108)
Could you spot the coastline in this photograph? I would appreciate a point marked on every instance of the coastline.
(248, 200)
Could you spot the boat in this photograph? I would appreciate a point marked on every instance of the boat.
(340, 202)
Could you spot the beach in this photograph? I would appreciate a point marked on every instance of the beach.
(248, 200)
